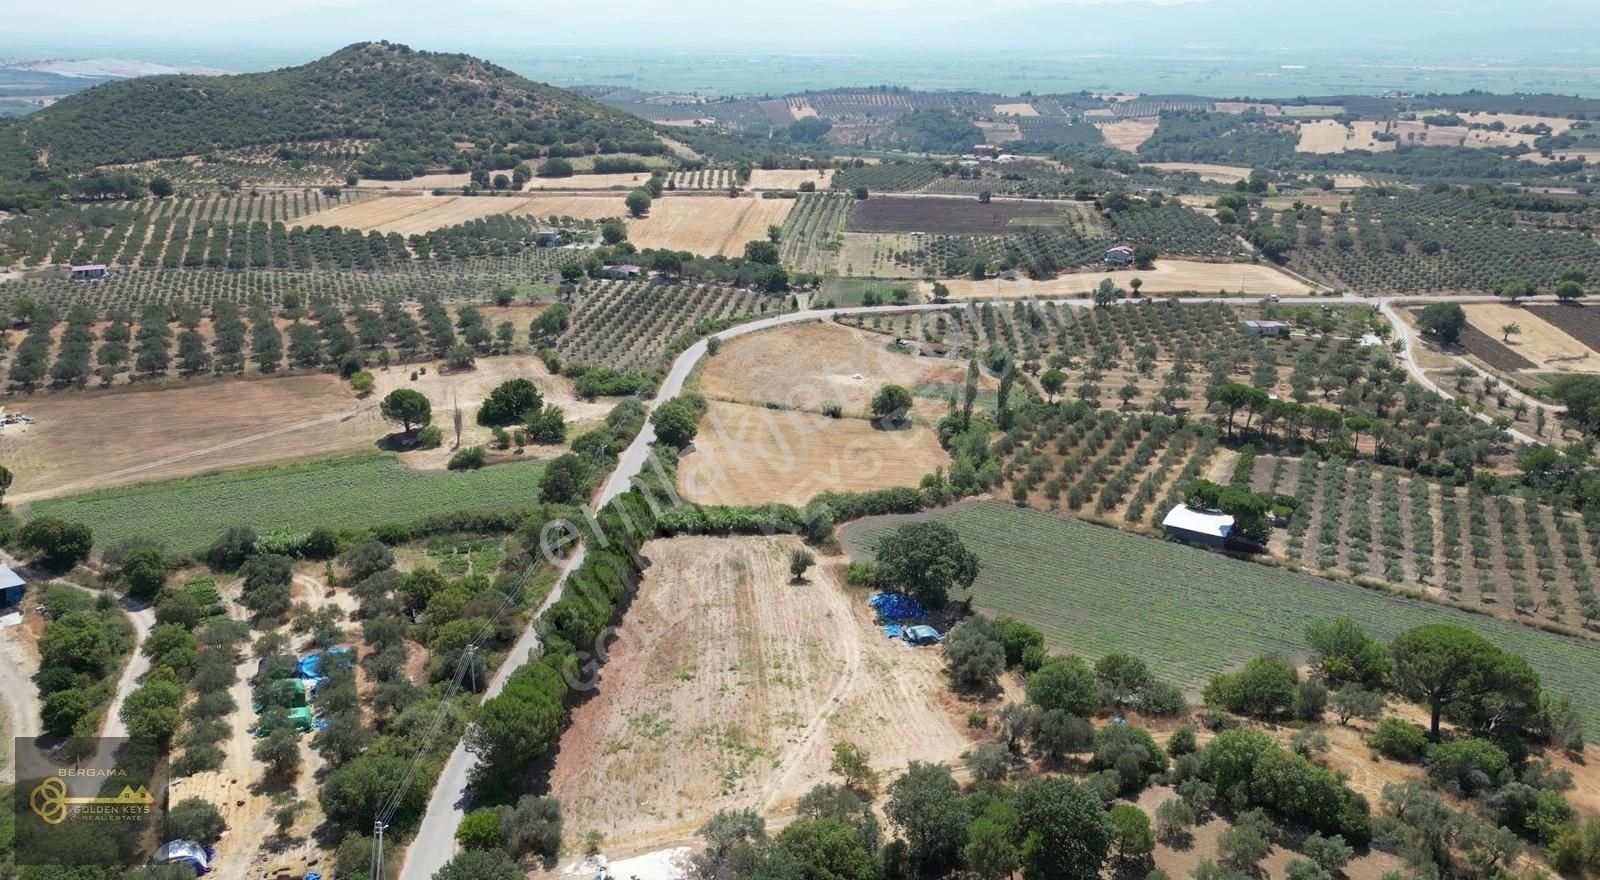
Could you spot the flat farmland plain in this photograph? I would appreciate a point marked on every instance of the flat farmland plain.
(1191, 613)
(752, 455)
(954, 216)
(349, 493)
(780, 178)
(707, 225)
(1538, 341)
(1168, 276)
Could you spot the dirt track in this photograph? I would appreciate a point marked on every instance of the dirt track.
(727, 686)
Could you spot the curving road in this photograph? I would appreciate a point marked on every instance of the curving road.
(434, 843)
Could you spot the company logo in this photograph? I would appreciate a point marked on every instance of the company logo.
(50, 801)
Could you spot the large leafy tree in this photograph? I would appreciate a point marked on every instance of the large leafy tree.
(926, 560)
(925, 805)
(510, 403)
(1067, 684)
(1069, 833)
(1458, 671)
(407, 407)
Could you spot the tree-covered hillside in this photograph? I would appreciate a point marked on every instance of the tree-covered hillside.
(419, 110)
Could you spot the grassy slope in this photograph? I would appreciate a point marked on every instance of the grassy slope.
(357, 492)
(1093, 590)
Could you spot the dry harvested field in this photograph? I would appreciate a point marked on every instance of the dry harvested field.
(1545, 345)
(421, 181)
(999, 132)
(1591, 157)
(761, 178)
(627, 180)
(417, 214)
(707, 225)
(751, 454)
(1214, 173)
(1513, 121)
(93, 440)
(806, 365)
(726, 688)
(1128, 134)
(952, 216)
(1018, 109)
(1329, 136)
(1247, 106)
(1168, 276)
(408, 215)
(871, 254)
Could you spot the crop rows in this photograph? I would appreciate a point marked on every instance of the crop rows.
(813, 231)
(702, 178)
(457, 280)
(1093, 591)
(897, 176)
(137, 232)
(1511, 555)
(637, 325)
(1420, 242)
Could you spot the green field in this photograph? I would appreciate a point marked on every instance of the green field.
(1191, 613)
(351, 493)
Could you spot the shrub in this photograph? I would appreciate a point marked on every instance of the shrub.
(469, 458)
(195, 819)
(55, 543)
(1398, 740)
(1467, 765)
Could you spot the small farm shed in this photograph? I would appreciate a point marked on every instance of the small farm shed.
(1277, 329)
(1121, 255)
(933, 349)
(89, 272)
(10, 587)
(624, 270)
(1207, 528)
(546, 238)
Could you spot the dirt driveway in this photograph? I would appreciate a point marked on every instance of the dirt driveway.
(726, 688)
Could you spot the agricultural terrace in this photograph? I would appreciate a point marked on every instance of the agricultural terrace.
(1441, 240)
(1189, 613)
(753, 455)
(728, 685)
(359, 492)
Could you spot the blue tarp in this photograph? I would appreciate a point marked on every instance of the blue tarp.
(893, 630)
(896, 606)
(311, 666)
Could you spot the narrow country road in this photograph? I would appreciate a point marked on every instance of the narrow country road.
(143, 618)
(434, 843)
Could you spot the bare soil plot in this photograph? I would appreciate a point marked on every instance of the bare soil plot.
(779, 178)
(624, 181)
(807, 365)
(999, 132)
(92, 440)
(800, 108)
(1128, 134)
(1580, 322)
(1168, 276)
(750, 455)
(707, 225)
(421, 181)
(1248, 106)
(1330, 136)
(952, 216)
(1540, 342)
(1015, 109)
(409, 215)
(1213, 173)
(726, 688)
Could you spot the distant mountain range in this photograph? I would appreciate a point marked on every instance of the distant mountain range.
(1424, 26)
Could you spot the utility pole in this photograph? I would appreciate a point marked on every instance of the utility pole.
(377, 848)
